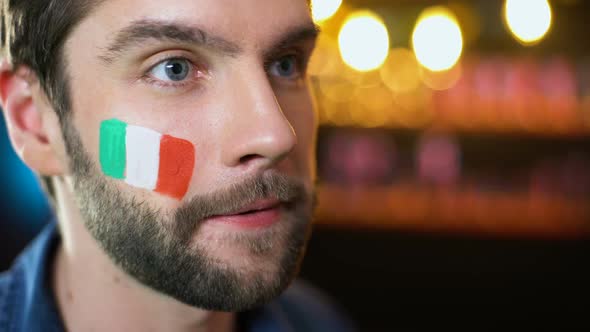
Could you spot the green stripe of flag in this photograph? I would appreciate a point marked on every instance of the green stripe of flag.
(112, 148)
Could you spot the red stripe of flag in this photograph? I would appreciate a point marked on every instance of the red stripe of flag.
(177, 161)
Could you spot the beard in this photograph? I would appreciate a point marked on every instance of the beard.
(163, 250)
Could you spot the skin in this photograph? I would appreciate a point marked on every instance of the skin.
(243, 119)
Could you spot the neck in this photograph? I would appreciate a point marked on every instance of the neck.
(93, 294)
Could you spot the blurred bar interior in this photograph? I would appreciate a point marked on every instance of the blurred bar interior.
(453, 156)
(472, 116)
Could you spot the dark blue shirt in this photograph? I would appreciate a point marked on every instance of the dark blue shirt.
(27, 303)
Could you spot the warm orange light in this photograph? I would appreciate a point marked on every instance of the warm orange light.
(322, 10)
(401, 71)
(528, 21)
(364, 41)
(437, 39)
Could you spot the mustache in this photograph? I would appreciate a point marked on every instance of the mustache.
(270, 185)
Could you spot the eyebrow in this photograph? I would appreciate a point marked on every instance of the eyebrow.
(292, 37)
(142, 30)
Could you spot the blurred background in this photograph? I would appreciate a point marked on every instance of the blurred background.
(454, 158)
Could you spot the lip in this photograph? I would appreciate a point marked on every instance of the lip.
(262, 213)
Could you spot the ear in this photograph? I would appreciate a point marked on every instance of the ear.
(24, 120)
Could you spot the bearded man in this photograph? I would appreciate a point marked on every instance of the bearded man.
(176, 139)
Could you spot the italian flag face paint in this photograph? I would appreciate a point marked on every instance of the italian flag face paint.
(145, 158)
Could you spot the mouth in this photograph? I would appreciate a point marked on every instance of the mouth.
(259, 214)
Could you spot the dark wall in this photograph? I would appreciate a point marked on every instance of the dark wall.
(393, 281)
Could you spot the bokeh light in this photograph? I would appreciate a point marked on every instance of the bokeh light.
(364, 41)
(322, 10)
(442, 80)
(437, 39)
(528, 20)
(337, 90)
(439, 160)
(401, 71)
(375, 98)
(413, 108)
(325, 59)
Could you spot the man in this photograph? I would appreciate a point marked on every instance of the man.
(177, 140)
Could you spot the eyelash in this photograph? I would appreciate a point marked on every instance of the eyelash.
(195, 73)
(299, 62)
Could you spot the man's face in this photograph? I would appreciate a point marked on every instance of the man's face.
(229, 77)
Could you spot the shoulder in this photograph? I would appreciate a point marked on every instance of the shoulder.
(3, 289)
(23, 295)
(309, 309)
(5, 282)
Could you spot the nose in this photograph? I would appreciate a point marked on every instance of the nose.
(259, 135)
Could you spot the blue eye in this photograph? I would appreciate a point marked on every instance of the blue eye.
(286, 67)
(172, 70)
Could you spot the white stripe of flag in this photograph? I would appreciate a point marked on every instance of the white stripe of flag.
(143, 157)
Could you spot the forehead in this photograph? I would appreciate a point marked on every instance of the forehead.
(247, 22)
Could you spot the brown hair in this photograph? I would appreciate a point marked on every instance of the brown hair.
(33, 34)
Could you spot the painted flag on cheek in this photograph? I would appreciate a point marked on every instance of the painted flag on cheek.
(146, 159)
